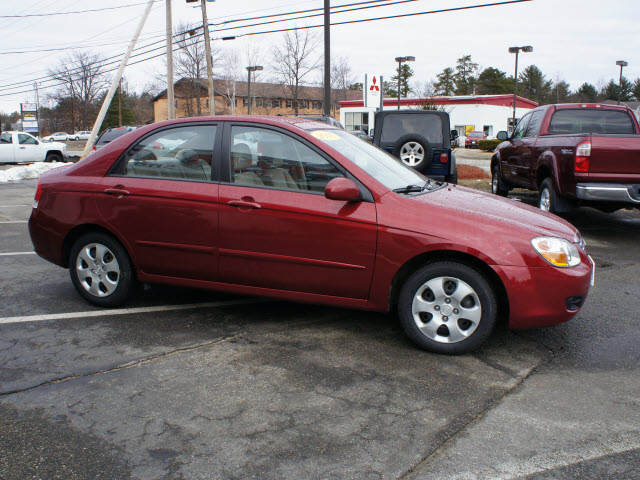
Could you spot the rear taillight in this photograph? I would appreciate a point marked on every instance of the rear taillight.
(444, 157)
(583, 153)
(36, 199)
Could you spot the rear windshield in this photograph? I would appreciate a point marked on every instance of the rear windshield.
(476, 134)
(396, 125)
(110, 135)
(591, 121)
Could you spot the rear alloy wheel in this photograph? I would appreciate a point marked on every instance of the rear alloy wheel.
(100, 270)
(497, 185)
(447, 307)
(547, 197)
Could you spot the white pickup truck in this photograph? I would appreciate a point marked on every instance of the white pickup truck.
(20, 147)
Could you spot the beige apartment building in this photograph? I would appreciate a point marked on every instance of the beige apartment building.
(191, 99)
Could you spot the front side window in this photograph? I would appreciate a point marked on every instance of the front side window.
(266, 158)
(396, 125)
(26, 139)
(181, 153)
(386, 169)
(522, 124)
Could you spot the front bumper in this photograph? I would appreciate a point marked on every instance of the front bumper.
(538, 295)
(608, 192)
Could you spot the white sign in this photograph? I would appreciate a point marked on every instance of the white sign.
(28, 107)
(372, 90)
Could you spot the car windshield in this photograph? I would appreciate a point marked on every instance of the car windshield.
(386, 169)
(476, 134)
(396, 125)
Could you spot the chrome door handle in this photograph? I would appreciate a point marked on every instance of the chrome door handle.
(117, 191)
(244, 204)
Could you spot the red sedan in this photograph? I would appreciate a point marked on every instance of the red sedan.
(473, 138)
(293, 209)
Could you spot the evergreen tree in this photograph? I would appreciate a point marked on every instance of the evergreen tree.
(636, 89)
(535, 85)
(446, 82)
(390, 89)
(561, 92)
(405, 73)
(465, 76)
(112, 119)
(356, 86)
(610, 91)
(493, 81)
(587, 93)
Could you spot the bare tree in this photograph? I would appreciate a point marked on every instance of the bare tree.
(82, 80)
(190, 61)
(231, 73)
(295, 59)
(426, 92)
(341, 77)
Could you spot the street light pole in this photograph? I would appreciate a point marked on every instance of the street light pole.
(516, 50)
(622, 64)
(249, 71)
(400, 61)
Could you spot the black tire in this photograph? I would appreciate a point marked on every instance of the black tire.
(547, 198)
(421, 146)
(53, 157)
(94, 287)
(453, 179)
(498, 186)
(448, 325)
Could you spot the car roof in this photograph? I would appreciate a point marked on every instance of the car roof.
(301, 123)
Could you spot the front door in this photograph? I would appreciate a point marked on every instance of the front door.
(511, 156)
(160, 197)
(279, 231)
(28, 149)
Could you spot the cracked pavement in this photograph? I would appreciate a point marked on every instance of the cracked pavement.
(282, 390)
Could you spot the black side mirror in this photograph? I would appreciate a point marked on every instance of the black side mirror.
(502, 136)
(454, 134)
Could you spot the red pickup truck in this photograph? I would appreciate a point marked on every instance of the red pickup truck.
(574, 155)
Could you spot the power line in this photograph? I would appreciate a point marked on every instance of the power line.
(388, 17)
(71, 13)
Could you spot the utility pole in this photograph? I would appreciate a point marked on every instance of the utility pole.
(35, 84)
(116, 80)
(327, 58)
(207, 46)
(171, 110)
(120, 103)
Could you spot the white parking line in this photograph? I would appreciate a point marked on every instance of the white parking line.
(16, 253)
(17, 221)
(128, 311)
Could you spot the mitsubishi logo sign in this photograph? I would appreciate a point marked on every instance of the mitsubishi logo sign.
(372, 90)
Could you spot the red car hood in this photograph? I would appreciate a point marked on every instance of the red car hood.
(459, 217)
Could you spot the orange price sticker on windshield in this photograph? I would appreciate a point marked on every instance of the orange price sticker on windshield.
(325, 135)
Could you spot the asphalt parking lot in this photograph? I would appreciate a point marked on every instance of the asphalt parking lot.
(200, 385)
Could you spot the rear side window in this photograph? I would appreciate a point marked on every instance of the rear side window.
(5, 138)
(534, 124)
(111, 135)
(397, 125)
(591, 120)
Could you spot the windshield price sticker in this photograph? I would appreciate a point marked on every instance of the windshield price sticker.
(325, 135)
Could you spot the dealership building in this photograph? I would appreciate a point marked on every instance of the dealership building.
(488, 113)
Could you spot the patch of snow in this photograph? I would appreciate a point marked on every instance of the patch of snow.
(28, 172)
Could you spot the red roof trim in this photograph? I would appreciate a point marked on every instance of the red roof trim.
(496, 100)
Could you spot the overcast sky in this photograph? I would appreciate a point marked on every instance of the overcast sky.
(574, 40)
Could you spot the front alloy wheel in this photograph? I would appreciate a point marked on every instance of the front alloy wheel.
(447, 307)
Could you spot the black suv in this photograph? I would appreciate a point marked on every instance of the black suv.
(421, 139)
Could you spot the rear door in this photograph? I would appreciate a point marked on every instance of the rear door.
(7, 148)
(162, 198)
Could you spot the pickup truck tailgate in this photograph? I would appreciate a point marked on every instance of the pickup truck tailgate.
(615, 158)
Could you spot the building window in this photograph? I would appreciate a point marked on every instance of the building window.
(289, 104)
(206, 103)
(303, 104)
(245, 102)
(488, 130)
(277, 103)
(356, 121)
(317, 105)
(175, 104)
(259, 102)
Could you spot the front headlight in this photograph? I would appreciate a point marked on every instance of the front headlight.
(557, 251)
